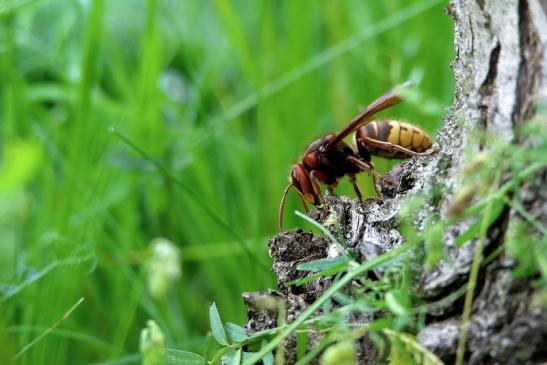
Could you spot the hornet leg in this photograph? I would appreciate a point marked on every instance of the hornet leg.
(366, 166)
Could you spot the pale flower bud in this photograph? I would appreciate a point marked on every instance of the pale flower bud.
(163, 267)
(152, 345)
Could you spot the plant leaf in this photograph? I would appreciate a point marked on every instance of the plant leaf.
(307, 279)
(323, 264)
(268, 358)
(177, 357)
(301, 344)
(397, 303)
(237, 358)
(216, 325)
(235, 333)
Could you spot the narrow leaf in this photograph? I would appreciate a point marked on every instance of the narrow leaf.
(320, 274)
(301, 344)
(380, 324)
(323, 264)
(318, 225)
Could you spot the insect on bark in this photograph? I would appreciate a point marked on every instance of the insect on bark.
(329, 158)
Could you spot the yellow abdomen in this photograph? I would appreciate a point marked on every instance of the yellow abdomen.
(394, 132)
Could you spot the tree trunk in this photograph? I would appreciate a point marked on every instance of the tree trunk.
(501, 76)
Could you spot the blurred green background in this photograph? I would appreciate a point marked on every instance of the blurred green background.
(223, 94)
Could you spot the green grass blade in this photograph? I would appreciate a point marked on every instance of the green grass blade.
(215, 217)
(49, 330)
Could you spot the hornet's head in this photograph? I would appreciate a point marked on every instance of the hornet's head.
(300, 180)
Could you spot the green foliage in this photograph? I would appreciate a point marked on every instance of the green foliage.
(434, 242)
(221, 96)
(398, 303)
(522, 250)
(21, 161)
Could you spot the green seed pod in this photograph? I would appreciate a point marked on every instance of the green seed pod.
(477, 164)
(341, 353)
(268, 301)
(462, 200)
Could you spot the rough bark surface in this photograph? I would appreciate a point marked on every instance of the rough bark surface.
(501, 74)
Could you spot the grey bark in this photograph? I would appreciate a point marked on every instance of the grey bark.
(501, 74)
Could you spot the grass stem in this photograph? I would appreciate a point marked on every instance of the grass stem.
(474, 274)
